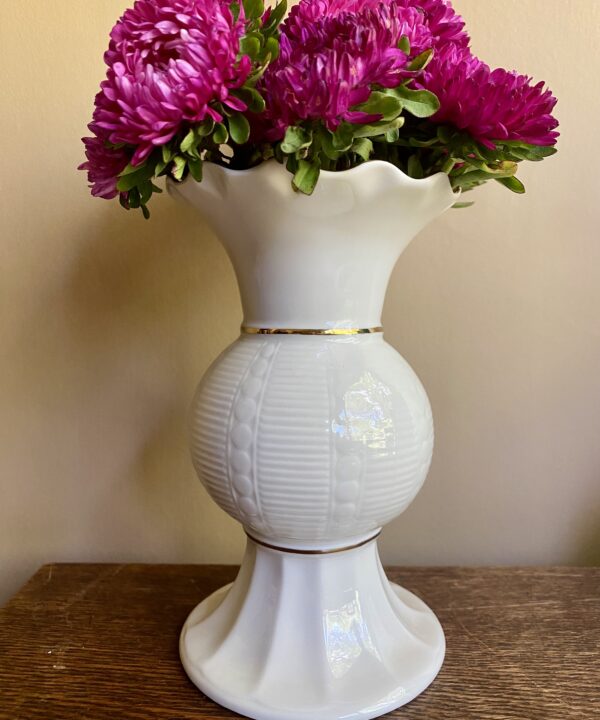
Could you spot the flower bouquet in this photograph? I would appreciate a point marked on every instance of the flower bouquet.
(335, 84)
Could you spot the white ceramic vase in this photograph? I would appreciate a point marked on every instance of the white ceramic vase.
(313, 433)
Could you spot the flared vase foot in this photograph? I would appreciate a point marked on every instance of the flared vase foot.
(312, 636)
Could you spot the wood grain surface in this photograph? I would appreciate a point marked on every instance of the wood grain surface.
(99, 642)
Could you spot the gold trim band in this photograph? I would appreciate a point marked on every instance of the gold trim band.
(309, 331)
(296, 551)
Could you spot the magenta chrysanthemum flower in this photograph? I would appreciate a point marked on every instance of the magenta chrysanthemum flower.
(103, 165)
(307, 20)
(169, 61)
(491, 105)
(444, 24)
(331, 53)
(440, 18)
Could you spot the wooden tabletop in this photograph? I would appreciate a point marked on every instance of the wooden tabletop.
(99, 642)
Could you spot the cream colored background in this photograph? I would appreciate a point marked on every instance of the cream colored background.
(108, 322)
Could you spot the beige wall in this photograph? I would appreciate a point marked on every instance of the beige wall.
(108, 321)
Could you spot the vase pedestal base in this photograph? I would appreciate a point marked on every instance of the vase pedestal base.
(319, 636)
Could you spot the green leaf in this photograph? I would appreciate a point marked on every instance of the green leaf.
(512, 183)
(296, 138)
(343, 137)
(239, 128)
(291, 164)
(543, 151)
(167, 154)
(306, 177)
(449, 164)
(524, 151)
(179, 167)
(145, 212)
(414, 167)
(134, 178)
(205, 128)
(193, 152)
(384, 104)
(220, 134)
(325, 139)
(253, 9)
(421, 61)
(145, 190)
(253, 99)
(374, 129)
(420, 103)
(482, 153)
(404, 45)
(250, 46)
(502, 168)
(195, 166)
(256, 75)
(363, 147)
(188, 141)
(271, 51)
(133, 199)
(414, 142)
(459, 205)
(131, 169)
(517, 155)
(275, 17)
(470, 179)
(444, 134)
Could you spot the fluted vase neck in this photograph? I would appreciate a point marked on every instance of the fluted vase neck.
(322, 261)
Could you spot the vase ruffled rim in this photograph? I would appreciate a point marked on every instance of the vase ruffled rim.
(327, 178)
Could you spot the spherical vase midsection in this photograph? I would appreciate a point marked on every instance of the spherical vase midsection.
(311, 438)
